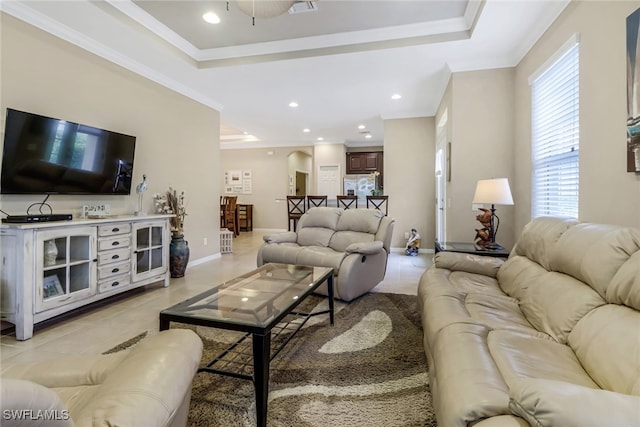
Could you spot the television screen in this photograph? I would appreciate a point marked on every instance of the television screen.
(43, 155)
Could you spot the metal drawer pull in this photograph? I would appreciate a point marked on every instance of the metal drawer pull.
(115, 270)
(115, 256)
(115, 283)
(115, 243)
(115, 230)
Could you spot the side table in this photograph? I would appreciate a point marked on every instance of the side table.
(469, 248)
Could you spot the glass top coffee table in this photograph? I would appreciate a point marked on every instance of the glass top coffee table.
(262, 304)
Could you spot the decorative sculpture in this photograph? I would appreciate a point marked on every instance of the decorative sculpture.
(140, 189)
(483, 235)
(413, 243)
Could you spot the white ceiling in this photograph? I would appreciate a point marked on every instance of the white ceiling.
(341, 63)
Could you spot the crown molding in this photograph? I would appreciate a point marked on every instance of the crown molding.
(23, 12)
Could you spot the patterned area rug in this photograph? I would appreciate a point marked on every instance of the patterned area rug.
(368, 369)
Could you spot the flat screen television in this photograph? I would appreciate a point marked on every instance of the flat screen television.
(43, 155)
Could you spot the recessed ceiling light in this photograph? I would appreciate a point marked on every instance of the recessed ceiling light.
(293, 104)
(306, 130)
(320, 138)
(211, 18)
(361, 126)
(396, 96)
(368, 136)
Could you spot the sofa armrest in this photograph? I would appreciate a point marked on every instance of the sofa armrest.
(286, 237)
(469, 263)
(24, 403)
(365, 248)
(558, 403)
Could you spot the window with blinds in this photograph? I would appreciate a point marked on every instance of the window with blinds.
(556, 137)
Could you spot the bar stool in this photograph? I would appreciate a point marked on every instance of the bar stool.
(316, 201)
(379, 202)
(295, 209)
(347, 202)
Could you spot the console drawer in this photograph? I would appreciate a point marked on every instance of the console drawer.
(114, 283)
(114, 256)
(114, 229)
(113, 270)
(114, 243)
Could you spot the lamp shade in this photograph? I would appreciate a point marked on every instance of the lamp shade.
(493, 191)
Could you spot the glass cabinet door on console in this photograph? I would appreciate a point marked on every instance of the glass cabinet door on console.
(65, 266)
(149, 241)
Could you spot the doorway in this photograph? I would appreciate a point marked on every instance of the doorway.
(329, 181)
(302, 183)
(443, 152)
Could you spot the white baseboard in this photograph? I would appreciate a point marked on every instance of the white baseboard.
(203, 260)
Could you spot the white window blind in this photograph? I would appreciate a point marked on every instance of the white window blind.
(555, 137)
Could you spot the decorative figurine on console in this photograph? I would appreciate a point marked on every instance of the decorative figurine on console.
(140, 189)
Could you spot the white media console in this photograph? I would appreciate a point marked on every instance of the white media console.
(51, 268)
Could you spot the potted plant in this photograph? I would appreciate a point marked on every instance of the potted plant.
(172, 202)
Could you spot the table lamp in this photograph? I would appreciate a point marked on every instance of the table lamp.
(494, 192)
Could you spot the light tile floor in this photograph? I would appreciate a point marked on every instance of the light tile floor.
(102, 327)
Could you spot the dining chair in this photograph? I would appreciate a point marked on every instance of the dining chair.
(378, 202)
(295, 209)
(347, 202)
(228, 209)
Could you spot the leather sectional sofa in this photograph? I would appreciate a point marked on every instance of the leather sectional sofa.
(549, 337)
(355, 242)
(148, 385)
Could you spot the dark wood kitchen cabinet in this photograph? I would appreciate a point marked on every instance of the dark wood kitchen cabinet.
(365, 162)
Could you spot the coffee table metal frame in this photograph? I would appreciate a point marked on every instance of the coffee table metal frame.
(261, 334)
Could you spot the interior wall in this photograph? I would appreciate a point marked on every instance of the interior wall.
(177, 138)
(481, 120)
(608, 193)
(409, 159)
(270, 181)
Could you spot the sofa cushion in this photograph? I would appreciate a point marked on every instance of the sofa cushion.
(540, 236)
(497, 312)
(324, 217)
(520, 355)
(314, 236)
(320, 257)
(625, 286)
(606, 331)
(342, 239)
(517, 274)
(555, 302)
(363, 220)
(470, 282)
(556, 403)
(593, 253)
(469, 383)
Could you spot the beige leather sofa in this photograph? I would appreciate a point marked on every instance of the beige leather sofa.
(149, 385)
(549, 338)
(355, 242)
